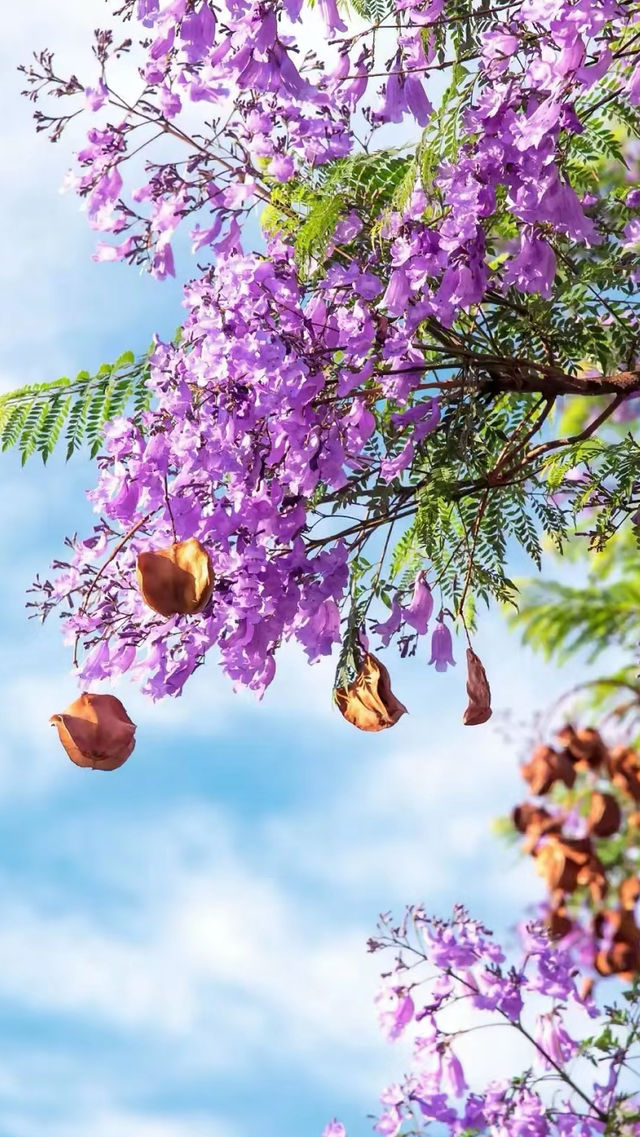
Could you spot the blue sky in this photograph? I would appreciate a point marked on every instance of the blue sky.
(182, 943)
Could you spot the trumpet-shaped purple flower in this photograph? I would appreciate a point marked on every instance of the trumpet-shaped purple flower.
(442, 647)
(418, 612)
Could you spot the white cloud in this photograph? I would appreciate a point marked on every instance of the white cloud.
(109, 1122)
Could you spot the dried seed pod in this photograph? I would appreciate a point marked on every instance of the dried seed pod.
(369, 702)
(534, 822)
(559, 870)
(558, 922)
(566, 862)
(629, 892)
(584, 746)
(605, 815)
(177, 580)
(529, 816)
(479, 706)
(546, 767)
(620, 953)
(622, 764)
(96, 732)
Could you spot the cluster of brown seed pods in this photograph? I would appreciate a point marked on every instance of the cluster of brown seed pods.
(96, 730)
(579, 869)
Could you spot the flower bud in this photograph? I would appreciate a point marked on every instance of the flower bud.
(177, 580)
(96, 731)
(479, 706)
(369, 702)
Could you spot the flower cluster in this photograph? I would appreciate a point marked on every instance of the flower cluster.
(446, 980)
(299, 379)
(581, 826)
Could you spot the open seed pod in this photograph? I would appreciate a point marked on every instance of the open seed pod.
(96, 732)
(620, 953)
(369, 702)
(629, 892)
(534, 822)
(478, 708)
(177, 580)
(622, 764)
(546, 767)
(559, 864)
(584, 746)
(605, 815)
(559, 922)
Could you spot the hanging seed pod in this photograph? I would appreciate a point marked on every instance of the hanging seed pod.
(584, 747)
(622, 764)
(479, 706)
(620, 953)
(96, 732)
(629, 892)
(605, 815)
(177, 580)
(369, 702)
(558, 922)
(546, 767)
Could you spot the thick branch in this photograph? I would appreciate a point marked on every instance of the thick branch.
(549, 381)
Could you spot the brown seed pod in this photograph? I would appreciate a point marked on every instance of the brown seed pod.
(556, 867)
(567, 862)
(605, 815)
(369, 702)
(529, 816)
(622, 764)
(96, 732)
(620, 954)
(558, 922)
(479, 707)
(546, 767)
(629, 892)
(584, 746)
(177, 580)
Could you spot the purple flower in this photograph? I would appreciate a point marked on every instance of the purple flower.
(281, 167)
(389, 1123)
(441, 647)
(395, 1011)
(534, 268)
(631, 234)
(391, 467)
(334, 1129)
(146, 11)
(96, 96)
(418, 612)
(389, 627)
(553, 1040)
(332, 20)
(452, 1079)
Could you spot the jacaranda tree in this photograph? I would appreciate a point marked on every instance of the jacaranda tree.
(377, 405)
(427, 361)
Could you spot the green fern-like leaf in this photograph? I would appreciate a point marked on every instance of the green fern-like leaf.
(34, 417)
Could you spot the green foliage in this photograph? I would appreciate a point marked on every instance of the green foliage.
(560, 620)
(307, 210)
(587, 618)
(34, 418)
